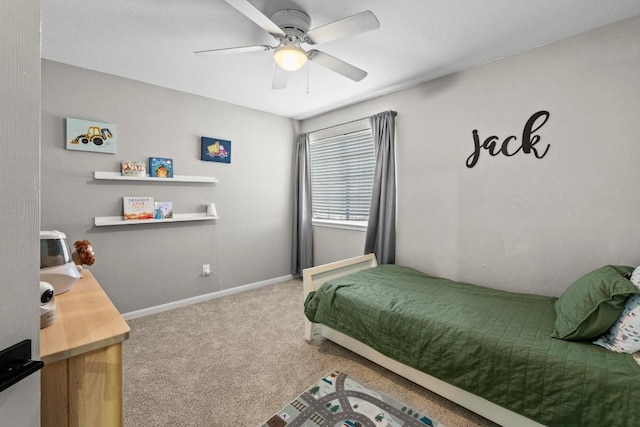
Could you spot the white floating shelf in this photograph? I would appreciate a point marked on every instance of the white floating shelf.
(176, 178)
(119, 220)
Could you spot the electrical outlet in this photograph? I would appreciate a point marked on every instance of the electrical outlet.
(206, 269)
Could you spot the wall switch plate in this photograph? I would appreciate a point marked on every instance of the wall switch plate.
(206, 269)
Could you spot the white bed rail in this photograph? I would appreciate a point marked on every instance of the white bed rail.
(314, 277)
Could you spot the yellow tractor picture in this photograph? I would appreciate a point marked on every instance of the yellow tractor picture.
(94, 134)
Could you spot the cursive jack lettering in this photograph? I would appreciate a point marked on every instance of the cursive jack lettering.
(527, 145)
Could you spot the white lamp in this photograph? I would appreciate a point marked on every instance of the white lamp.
(290, 57)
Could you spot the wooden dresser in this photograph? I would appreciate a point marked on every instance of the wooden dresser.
(81, 381)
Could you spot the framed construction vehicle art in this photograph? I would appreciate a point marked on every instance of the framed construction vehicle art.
(215, 150)
(87, 135)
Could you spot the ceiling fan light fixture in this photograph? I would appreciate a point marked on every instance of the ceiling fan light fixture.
(290, 57)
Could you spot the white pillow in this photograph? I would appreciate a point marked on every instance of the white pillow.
(624, 334)
(635, 277)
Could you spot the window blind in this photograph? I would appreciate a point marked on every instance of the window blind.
(341, 176)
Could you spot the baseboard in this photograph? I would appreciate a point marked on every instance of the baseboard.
(200, 298)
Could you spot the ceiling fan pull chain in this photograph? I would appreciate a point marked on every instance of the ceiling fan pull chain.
(308, 67)
(273, 79)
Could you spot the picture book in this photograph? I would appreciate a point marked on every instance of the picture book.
(137, 208)
(160, 167)
(133, 169)
(163, 210)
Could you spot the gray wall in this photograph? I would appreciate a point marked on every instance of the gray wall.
(142, 266)
(521, 223)
(19, 209)
(333, 244)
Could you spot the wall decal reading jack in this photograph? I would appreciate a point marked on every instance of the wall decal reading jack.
(527, 145)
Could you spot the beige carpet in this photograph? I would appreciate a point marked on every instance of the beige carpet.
(235, 361)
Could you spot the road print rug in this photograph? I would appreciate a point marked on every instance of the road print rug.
(338, 400)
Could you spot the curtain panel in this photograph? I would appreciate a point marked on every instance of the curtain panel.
(381, 229)
(302, 250)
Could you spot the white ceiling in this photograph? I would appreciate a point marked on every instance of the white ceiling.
(418, 40)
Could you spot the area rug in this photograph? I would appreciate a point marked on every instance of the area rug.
(337, 400)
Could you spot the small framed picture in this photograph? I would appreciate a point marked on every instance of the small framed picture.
(215, 150)
(87, 135)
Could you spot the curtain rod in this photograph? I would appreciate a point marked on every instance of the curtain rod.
(347, 123)
(339, 124)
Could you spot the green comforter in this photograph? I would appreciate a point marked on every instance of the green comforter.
(494, 344)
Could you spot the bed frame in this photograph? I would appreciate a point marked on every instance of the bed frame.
(314, 277)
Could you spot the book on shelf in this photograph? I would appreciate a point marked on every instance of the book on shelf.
(138, 208)
(161, 167)
(133, 169)
(163, 210)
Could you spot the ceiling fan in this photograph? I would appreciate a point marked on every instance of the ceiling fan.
(291, 28)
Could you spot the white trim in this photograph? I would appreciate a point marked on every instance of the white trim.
(201, 298)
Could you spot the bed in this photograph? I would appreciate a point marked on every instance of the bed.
(490, 351)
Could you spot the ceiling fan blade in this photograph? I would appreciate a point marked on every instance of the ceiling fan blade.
(251, 12)
(337, 65)
(229, 50)
(354, 24)
(280, 77)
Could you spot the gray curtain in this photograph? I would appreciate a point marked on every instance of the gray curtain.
(302, 251)
(381, 229)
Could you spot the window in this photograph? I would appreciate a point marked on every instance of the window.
(342, 169)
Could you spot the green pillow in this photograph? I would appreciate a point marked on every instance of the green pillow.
(593, 303)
